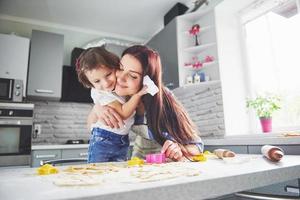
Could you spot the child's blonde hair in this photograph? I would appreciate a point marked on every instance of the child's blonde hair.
(93, 58)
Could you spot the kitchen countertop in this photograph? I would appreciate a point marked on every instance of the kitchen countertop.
(217, 177)
(253, 139)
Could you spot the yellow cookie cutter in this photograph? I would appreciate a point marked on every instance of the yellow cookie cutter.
(199, 158)
(135, 161)
(47, 169)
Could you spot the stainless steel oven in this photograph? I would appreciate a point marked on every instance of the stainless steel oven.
(16, 121)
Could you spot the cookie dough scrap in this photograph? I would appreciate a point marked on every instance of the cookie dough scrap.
(149, 173)
(77, 180)
(92, 169)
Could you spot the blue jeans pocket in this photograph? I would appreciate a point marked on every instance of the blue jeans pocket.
(100, 138)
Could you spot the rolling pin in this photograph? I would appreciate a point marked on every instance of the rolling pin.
(223, 153)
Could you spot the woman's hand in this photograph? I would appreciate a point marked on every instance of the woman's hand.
(108, 116)
(172, 150)
(189, 151)
(179, 152)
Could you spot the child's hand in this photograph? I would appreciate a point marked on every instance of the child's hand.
(143, 91)
(108, 116)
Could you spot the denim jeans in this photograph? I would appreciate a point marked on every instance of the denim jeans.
(106, 146)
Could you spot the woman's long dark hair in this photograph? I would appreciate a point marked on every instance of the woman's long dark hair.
(164, 113)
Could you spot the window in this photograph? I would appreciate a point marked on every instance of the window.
(272, 39)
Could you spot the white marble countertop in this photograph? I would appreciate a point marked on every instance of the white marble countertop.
(217, 178)
(253, 139)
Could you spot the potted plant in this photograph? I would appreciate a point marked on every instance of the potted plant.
(264, 107)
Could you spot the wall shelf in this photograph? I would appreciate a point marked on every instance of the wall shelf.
(204, 66)
(202, 83)
(208, 45)
(199, 48)
(202, 30)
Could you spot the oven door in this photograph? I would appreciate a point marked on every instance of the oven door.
(15, 142)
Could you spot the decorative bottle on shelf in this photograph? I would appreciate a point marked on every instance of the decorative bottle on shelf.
(189, 79)
(196, 78)
(202, 76)
(273, 153)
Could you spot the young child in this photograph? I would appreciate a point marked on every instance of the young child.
(96, 69)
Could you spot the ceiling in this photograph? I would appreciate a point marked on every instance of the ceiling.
(139, 19)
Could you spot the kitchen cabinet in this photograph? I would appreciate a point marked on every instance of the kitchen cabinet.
(14, 57)
(43, 155)
(74, 153)
(165, 42)
(45, 65)
(58, 152)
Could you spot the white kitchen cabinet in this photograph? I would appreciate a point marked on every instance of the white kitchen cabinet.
(14, 57)
(189, 53)
(45, 65)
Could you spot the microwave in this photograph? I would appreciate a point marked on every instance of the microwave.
(11, 90)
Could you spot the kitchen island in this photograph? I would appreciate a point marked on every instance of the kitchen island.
(216, 178)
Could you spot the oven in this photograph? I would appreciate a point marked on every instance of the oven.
(16, 121)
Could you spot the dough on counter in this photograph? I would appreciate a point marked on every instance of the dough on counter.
(76, 180)
(158, 172)
(120, 173)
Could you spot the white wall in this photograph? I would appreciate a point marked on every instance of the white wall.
(232, 68)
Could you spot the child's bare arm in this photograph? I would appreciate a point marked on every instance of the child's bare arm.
(108, 116)
(125, 110)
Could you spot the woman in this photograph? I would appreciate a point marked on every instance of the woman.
(168, 123)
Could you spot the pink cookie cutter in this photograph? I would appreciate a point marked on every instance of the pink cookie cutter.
(156, 158)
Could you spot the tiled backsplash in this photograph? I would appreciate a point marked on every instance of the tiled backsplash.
(205, 106)
(61, 121)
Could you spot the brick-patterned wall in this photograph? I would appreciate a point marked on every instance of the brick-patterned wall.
(61, 121)
(204, 104)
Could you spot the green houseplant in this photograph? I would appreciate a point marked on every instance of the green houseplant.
(264, 107)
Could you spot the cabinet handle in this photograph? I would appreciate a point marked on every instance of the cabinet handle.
(252, 195)
(169, 85)
(292, 189)
(44, 91)
(63, 161)
(46, 156)
(83, 154)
